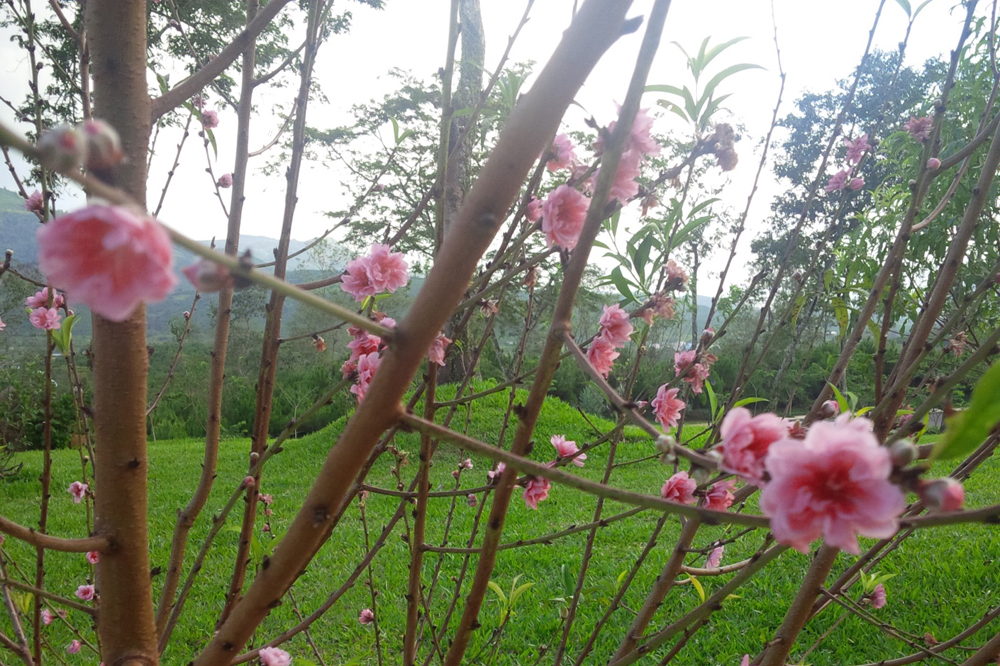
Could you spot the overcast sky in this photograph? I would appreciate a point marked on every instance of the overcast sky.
(820, 43)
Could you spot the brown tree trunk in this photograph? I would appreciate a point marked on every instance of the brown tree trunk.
(117, 33)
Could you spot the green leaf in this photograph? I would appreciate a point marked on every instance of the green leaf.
(496, 588)
(63, 336)
(726, 73)
(840, 312)
(716, 50)
(920, 8)
(518, 592)
(841, 400)
(404, 136)
(670, 90)
(968, 429)
(710, 109)
(211, 139)
(713, 403)
(22, 600)
(395, 130)
(697, 586)
(906, 7)
(670, 106)
(621, 283)
(749, 401)
(641, 256)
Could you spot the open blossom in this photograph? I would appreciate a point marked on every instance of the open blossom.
(109, 258)
(534, 212)
(563, 213)
(536, 491)
(856, 148)
(266, 499)
(495, 473)
(34, 203)
(272, 656)
(85, 592)
(47, 616)
(919, 128)
(615, 325)
(625, 186)
(667, 407)
(74, 646)
(93, 556)
(566, 449)
(46, 319)
(367, 616)
(319, 343)
(78, 491)
(210, 119)
(679, 488)
(745, 442)
(677, 277)
(602, 355)
(696, 371)
(715, 557)
(367, 365)
(382, 270)
(719, 496)
(40, 299)
(562, 153)
(2, 325)
(436, 353)
(838, 181)
(878, 596)
(834, 484)
(639, 139)
(363, 343)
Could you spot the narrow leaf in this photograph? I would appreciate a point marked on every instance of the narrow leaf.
(969, 428)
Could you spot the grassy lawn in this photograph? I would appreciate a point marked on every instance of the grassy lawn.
(945, 578)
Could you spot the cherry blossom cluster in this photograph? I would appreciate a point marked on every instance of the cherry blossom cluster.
(856, 150)
(694, 366)
(614, 333)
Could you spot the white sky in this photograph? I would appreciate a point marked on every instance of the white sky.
(820, 42)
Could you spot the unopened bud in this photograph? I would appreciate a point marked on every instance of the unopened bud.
(829, 409)
(249, 482)
(933, 163)
(104, 147)
(856, 183)
(472, 500)
(945, 494)
(902, 453)
(700, 475)
(707, 336)
(62, 149)
(797, 275)
(208, 276)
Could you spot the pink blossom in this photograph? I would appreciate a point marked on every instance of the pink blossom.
(830, 409)
(746, 660)
(2, 325)
(562, 153)
(834, 484)
(563, 213)
(715, 557)
(639, 139)
(363, 343)
(367, 616)
(838, 181)
(47, 616)
(85, 592)
(679, 488)
(602, 355)
(856, 148)
(78, 491)
(615, 325)
(93, 556)
(856, 183)
(266, 499)
(272, 656)
(933, 163)
(46, 319)
(677, 277)
(388, 322)
(567, 449)
(684, 359)
(534, 212)
(210, 119)
(745, 441)
(104, 146)
(719, 496)
(34, 203)
(536, 491)
(944, 494)
(465, 464)
(625, 186)
(383, 270)
(74, 646)
(249, 481)
(107, 257)
(367, 365)
(41, 299)
(919, 128)
(471, 500)
(62, 148)
(878, 596)
(208, 276)
(696, 372)
(349, 366)
(667, 407)
(436, 353)
(225, 180)
(495, 473)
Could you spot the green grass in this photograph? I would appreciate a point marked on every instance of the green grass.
(945, 578)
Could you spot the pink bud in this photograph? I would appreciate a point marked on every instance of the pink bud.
(104, 147)
(210, 119)
(208, 276)
(857, 183)
(249, 482)
(945, 494)
(93, 556)
(472, 500)
(62, 148)
(225, 180)
(933, 163)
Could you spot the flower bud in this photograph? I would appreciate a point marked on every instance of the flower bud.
(945, 494)
(902, 453)
(700, 475)
(857, 183)
(472, 500)
(249, 482)
(933, 163)
(319, 343)
(707, 336)
(829, 409)
(62, 149)
(225, 181)
(104, 147)
(208, 276)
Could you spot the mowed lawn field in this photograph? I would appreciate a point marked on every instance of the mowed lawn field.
(945, 578)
